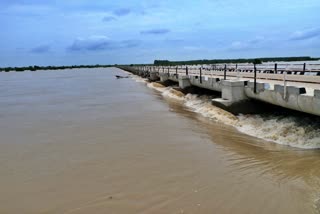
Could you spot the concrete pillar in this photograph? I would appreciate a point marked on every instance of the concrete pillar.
(296, 90)
(260, 86)
(233, 90)
(234, 98)
(317, 93)
(173, 77)
(163, 77)
(153, 76)
(184, 82)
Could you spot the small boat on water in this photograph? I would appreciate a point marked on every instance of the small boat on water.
(119, 77)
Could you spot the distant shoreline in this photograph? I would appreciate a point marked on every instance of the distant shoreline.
(240, 60)
(165, 63)
(36, 68)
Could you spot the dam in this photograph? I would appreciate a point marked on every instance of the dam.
(291, 86)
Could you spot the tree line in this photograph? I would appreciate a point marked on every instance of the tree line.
(165, 63)
(216, 61)
(36, 68)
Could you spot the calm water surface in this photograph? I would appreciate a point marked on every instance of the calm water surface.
(81, 141)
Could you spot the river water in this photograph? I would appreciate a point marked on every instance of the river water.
(81, 141)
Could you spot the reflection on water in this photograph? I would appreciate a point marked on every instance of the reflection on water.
(83, 142)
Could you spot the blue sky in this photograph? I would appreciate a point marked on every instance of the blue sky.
(67, 32)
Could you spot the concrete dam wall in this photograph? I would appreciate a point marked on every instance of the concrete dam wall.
(238, 94)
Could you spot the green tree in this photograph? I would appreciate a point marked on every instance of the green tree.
(257, 61)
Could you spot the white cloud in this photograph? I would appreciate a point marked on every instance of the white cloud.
(99, 43)
(249, 44)
(91, 43)
(305, 34)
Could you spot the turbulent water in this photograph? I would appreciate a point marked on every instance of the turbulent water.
(297, 131)
(82, 141)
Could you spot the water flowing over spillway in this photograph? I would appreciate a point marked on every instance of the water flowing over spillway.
(301, 132)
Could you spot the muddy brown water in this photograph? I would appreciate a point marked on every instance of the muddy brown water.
(81, 141)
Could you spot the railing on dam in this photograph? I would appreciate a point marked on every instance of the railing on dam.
(295, 72)
(238, 84)
(294, 68)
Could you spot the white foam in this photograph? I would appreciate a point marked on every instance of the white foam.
(153, 86)
(199, 104)
(280, 130)
(139, 79)
(202, 105)
(285, 131)
(167, 92)
(170, 93)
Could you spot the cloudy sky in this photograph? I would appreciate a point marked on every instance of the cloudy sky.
(66, 32)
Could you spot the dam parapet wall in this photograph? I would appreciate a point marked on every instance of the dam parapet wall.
(240, 92)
